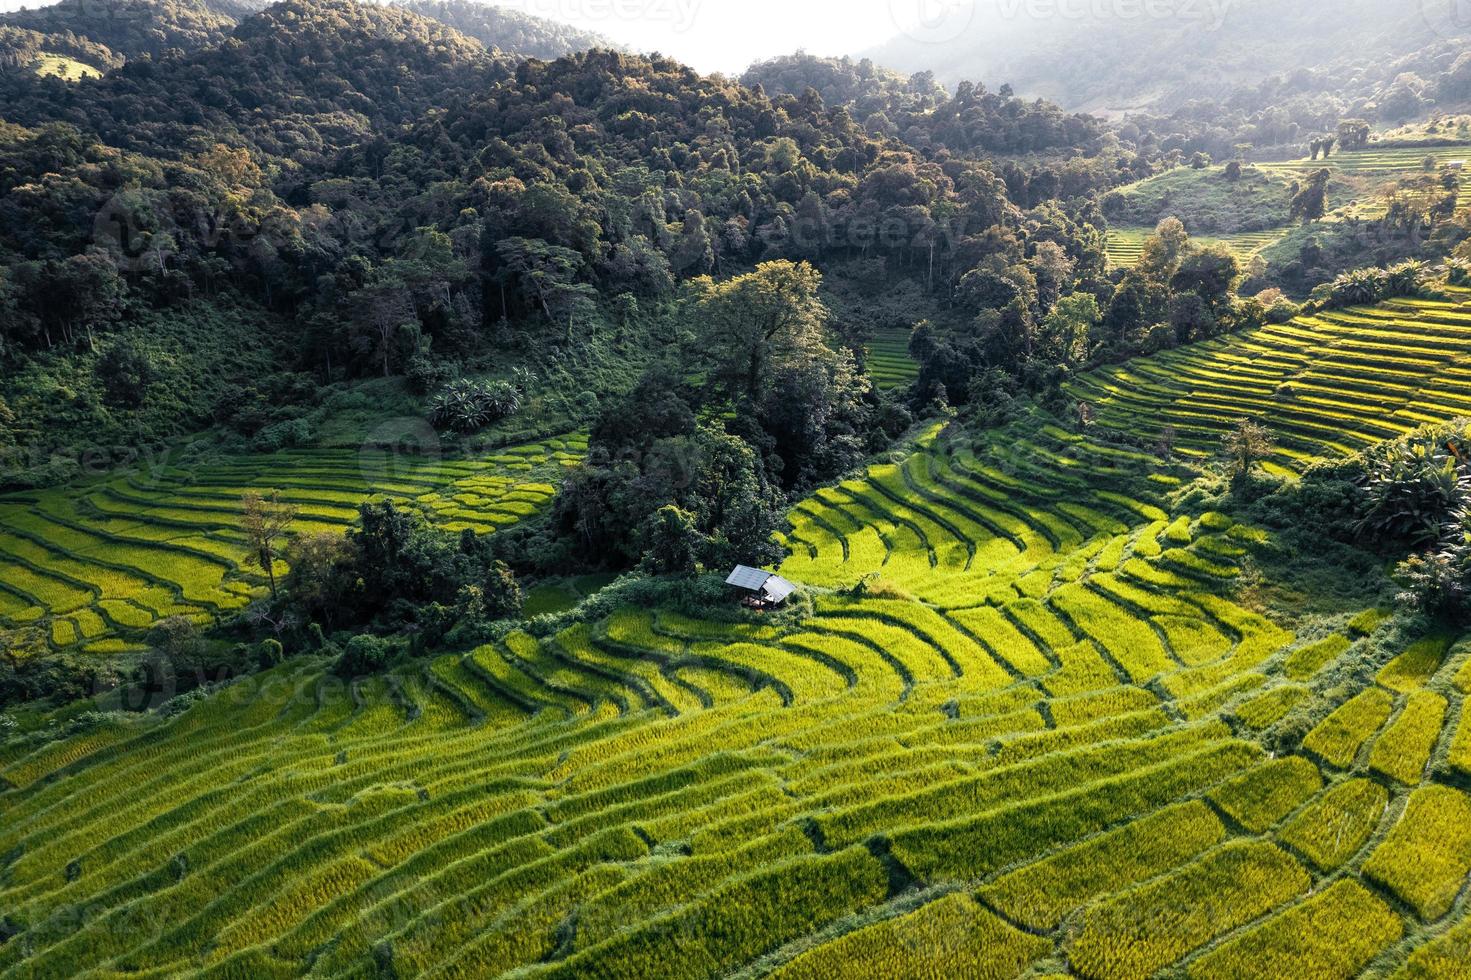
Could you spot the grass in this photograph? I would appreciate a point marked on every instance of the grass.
(1310, 381)
(1338, 738)
(63, 67)
(1441, 958)
(1040, 895)
(1403, 751)
(1262, 798)
(1125, 245)
(952, 936)
(1411, 669)
(889, 362)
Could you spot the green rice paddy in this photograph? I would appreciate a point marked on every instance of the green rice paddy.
(1327, 385)
(1386, 160)
(889, 363)
(1125, 245)
(1039, 743)
(100, 563)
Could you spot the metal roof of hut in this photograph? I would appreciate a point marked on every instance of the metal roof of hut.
(773, 588)
(745, 577)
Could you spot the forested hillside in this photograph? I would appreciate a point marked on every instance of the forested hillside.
(300, 168)
(104, 35)
(132, 28)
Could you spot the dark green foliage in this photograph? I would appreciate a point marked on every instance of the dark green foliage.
(673, 542)
(1439, 583)
(973, 120)
(28, 672)
(1362, 287)
(365, 655)
(269, 653)
(126, 373)
(394, 572)
(469, 406)
(1413, 487)
(128, 28)
(1353, 134)
(607, 505)
(1311, 202)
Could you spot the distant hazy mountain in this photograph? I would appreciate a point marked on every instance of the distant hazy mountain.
(509, 30)
(1111, 58)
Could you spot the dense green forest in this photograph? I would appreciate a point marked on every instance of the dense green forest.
(387, 391)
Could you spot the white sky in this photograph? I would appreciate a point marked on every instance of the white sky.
(727, 35)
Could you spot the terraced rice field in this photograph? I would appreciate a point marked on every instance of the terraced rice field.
(1125, 245)
(1327, 385)
(889, 363)
(1036, 745)
(1389, 161)
(97, 565)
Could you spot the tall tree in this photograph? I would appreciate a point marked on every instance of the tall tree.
(1311, 202)
(1245, 446)
(756, 321)
(1162, 252)
(265, 520)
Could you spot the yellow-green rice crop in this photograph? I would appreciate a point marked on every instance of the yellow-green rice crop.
(1331, 936)
(1426, 857)
(1333, 828)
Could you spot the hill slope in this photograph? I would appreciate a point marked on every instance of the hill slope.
(130, 29)
(1061, 710)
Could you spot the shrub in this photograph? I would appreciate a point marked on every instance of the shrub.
(126, 373)
(269, 654)
(1364, 286)
(1245, 446)
(365, 655)
(287, 434)
(469, 406)
(1413, 490)
(1436, 584)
